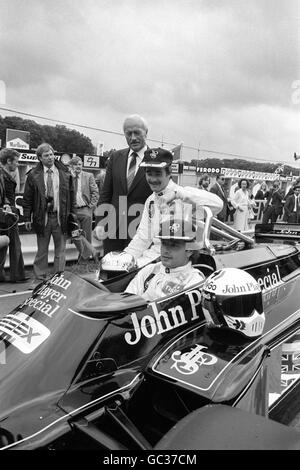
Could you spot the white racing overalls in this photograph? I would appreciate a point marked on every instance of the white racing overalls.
(144, 246)
(155, 280)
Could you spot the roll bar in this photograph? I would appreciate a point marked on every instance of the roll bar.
(213, 225)
(221, 225)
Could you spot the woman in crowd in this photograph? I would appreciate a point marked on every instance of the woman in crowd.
(243, 204)
(263, 192)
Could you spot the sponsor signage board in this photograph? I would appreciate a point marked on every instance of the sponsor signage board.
(91, 161)
(17, 139)
(30, 157)
(238, 173)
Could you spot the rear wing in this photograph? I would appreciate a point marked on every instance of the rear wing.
(277, 231)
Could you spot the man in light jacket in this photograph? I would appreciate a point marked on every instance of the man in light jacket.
(86, 196)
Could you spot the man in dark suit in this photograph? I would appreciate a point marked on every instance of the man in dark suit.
(274, 204)
(125, 188)
(292, 207)
(291, 190)
(48, 200)
(218, 189)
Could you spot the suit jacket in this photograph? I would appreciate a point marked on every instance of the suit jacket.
(34, 198)
(222, 215)
(89, 189)
(261, 195)
(114, 192)
(276, 198)
(289, 207)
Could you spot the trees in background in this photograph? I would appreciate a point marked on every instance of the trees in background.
(71, 141)
(60, 137)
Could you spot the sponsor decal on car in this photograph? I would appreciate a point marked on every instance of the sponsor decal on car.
(24, 332)
(47, 299)
(161, 321)
(290, 361)
(287, 231)
(189, 362)
(271, 279)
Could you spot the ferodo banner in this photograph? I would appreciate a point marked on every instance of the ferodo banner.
(248, 174)
(254, 175)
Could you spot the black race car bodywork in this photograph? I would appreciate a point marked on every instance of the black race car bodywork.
(87, 366)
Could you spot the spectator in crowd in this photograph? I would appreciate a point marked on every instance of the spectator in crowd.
(204, 182)
(9, 164)
(262, 193)
(274, 204)
(100, 177)
(291, 190)
(124, 185)
(292, 207)
(48, 200)
(243, 204)
(145, 246)
(219, 189)
(175, 271)
(86, 196)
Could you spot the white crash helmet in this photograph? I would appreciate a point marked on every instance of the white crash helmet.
(117, 261)
(232, 298)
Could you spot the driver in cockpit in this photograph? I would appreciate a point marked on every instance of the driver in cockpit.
(175, 271)
(167, 197)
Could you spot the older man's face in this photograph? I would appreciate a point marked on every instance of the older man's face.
(135, 134)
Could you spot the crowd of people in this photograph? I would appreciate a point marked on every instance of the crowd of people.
(239, 206)
(134, 196)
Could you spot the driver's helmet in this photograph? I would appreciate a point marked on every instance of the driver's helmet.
(232, 298)
(117, 261)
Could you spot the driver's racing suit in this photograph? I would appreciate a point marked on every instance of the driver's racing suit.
(144, 246)
(155, 280)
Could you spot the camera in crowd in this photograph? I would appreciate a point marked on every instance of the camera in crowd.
(73, 226)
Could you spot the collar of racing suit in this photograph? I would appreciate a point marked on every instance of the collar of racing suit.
(177, 270)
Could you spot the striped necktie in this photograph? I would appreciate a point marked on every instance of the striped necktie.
(50, 193)
(131, 170)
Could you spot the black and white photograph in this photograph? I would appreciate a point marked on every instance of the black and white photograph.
(149, 227)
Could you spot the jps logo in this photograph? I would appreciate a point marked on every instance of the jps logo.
(153, 154)
(174, 228)
(188, 363)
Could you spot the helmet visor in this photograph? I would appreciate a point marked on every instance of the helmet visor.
(241, 305)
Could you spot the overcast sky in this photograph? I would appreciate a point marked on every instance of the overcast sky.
(219, 73)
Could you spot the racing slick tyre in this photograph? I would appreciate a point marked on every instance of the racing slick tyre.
(225, 428)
